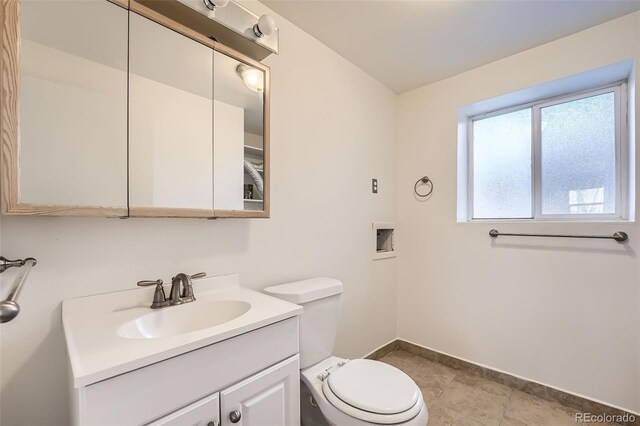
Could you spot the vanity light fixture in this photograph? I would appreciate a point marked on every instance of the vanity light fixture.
(266, 26)
(251, 77)
(212, 5)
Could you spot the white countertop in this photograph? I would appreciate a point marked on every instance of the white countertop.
(97, 352)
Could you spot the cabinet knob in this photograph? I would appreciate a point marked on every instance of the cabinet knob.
(235, 416)
(213, 423)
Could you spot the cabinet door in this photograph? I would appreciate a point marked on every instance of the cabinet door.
(67, 155)
(205, 412)
(269, 398)
(170, 122)
(241, 137)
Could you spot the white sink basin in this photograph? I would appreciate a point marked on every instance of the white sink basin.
(181, 319)
(113, 333)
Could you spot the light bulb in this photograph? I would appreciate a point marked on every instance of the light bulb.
(251, 77)
(213, 4)
(266, 26)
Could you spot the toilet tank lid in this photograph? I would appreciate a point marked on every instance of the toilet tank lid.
(305, 291)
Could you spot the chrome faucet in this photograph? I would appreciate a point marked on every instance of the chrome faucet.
(176, 297)
(174, 294)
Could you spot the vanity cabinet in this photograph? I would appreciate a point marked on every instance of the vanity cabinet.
(255, 373)
(205, 412)
(110, 108)
(269, 398)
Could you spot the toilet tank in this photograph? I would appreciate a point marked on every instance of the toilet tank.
(320, 298)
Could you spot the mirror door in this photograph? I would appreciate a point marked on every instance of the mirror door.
(240, 159)
(70, 146)
(170, 123)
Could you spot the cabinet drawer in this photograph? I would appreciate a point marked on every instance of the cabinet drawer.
(148, 393)
(205, 412)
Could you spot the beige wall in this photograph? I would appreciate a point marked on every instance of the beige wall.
(564, 313)
(333, 129)
(561, 312)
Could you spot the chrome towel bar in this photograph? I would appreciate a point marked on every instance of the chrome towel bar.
(9, 309)
(619, 236)
(7, 263)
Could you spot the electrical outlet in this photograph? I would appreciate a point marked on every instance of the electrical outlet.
(374, 186)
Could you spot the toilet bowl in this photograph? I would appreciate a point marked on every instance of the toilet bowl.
(360, 392)
(337, 391)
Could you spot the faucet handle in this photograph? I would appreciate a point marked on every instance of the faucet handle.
(146, 283)
(198, 275)
(159, 297)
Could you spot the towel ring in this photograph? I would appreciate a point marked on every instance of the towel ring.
(426, 181)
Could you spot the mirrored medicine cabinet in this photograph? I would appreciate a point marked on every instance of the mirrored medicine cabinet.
(112, 109)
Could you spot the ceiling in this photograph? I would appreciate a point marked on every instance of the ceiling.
(407, 44)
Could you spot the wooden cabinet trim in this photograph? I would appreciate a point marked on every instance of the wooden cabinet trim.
(228, 214)
(28, 209)
(9, 105)
(170, 212)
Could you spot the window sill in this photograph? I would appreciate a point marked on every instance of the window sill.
(548, 221)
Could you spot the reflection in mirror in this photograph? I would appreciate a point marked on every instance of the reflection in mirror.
(73, 103)
(238, 135)
(171, 119)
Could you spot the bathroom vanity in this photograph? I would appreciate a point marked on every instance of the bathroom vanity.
(231, 356)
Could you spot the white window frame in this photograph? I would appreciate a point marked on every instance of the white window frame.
(622, 156)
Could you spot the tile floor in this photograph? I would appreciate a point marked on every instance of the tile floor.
(458, 399)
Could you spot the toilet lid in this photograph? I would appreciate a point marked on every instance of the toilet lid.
(374, 386)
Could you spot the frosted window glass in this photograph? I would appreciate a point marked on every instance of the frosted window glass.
(502, 166)
(578, 170)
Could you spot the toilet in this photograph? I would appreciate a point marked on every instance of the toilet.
(337, 391)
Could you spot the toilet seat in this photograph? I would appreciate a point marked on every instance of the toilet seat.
(373, 392)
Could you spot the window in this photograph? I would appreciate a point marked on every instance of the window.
(559, 158)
